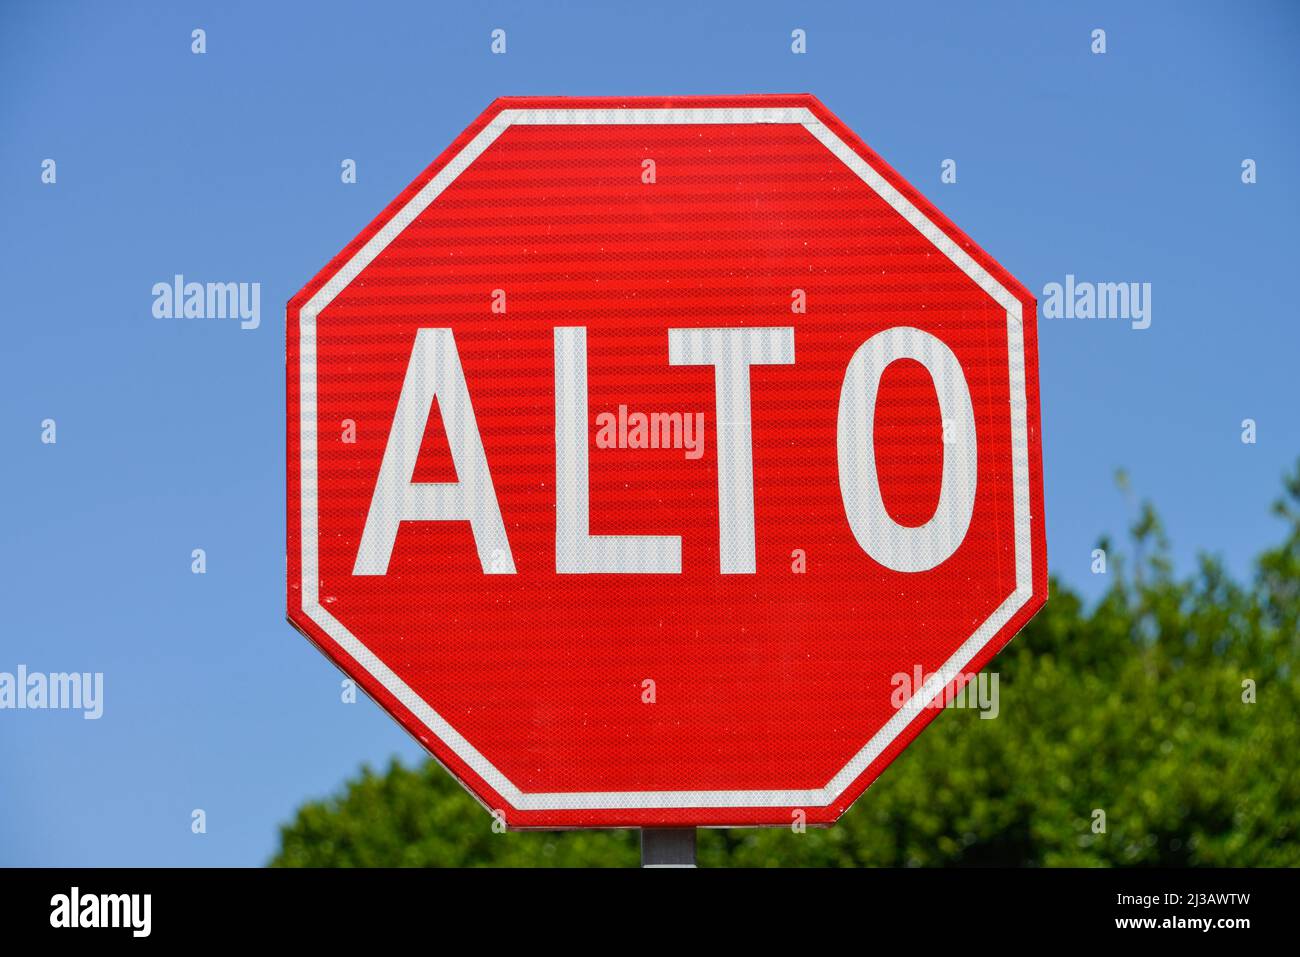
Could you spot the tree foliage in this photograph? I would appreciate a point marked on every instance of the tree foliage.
(1138, 707)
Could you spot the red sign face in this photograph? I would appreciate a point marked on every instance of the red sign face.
(663, 462)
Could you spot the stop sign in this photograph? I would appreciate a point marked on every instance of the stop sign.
(663, 461)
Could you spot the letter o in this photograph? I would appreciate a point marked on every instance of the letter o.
(900, 547)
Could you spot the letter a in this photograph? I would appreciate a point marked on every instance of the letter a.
(434, 372)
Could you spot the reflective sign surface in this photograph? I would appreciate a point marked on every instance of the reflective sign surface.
(663, 461)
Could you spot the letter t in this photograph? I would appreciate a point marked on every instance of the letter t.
(731, 352)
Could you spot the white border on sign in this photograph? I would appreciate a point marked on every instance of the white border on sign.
(638, 800)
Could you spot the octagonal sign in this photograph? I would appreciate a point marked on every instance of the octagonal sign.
(663, 462)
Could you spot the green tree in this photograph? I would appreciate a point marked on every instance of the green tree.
(1138, 708)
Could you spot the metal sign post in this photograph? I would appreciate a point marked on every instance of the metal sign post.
(667, 847)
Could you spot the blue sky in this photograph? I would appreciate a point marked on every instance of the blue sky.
(225, 167)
